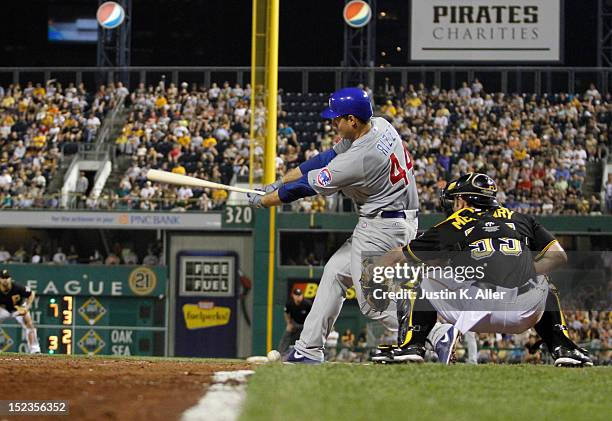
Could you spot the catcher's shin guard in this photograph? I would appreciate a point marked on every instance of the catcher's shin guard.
(416, 317)
(554, 333)
(551, 327)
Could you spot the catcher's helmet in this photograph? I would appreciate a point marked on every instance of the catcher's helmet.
(477, 189)
(347, 101)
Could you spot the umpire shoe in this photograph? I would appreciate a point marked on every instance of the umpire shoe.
(571, 357)
(384, 354)
(296, 357)
(414, 353)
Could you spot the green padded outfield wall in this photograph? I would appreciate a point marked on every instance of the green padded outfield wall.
(92, 309)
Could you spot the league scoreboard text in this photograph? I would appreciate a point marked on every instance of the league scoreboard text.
(64, 340)
(108, 311)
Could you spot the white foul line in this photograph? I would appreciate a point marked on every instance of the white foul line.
(223, 400)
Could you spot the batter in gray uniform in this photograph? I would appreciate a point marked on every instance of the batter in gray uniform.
(371, 166)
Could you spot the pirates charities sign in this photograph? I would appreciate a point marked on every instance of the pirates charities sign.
(486, 30)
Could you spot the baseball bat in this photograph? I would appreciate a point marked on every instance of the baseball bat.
(185, 180)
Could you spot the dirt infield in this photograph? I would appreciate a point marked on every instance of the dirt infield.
(109, 389)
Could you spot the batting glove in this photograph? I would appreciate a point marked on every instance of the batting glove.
(268, 188)
(255, 200)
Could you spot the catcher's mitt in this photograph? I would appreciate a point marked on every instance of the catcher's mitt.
(368, 286)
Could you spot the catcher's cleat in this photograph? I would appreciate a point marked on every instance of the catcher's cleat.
(568, 357)
(445, 346)
(384, 354)
(411, 353)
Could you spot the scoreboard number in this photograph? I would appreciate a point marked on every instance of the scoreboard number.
(53, 342)
(142, 281)
(67, 340)
(67, 313)
(62, 310)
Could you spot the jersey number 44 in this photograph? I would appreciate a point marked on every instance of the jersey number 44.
(398, 173)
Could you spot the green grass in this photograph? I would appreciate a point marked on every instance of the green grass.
(428, 392)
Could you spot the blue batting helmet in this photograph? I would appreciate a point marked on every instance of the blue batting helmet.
(347, 101)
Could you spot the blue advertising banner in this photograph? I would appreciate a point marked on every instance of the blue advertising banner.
(206, 304)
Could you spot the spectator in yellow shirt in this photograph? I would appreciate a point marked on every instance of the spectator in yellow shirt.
(161, 102)
(210, 142)
(414, 101)
(534, 143)
(8, 120)
(40, 140)
(23, 106)
(389, 109)
(184, 140)
(520, 154)
(179, 169)
(39, 90)
(7, 102)
(219, 195)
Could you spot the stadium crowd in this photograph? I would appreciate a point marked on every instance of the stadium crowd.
(186, 130)
(39, 125)
(590, 329)
(42, 252)
(536, 146)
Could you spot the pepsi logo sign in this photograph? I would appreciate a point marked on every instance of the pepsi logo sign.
(110, 15)
(357, 13)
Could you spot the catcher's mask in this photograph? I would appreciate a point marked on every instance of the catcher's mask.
(478, 190)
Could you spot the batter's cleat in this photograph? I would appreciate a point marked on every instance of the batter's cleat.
(411, 353)
(384, 354)
(445, 347)
(568, 357)
(296, 357)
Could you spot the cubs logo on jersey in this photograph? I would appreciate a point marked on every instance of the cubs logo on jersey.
(324, 177)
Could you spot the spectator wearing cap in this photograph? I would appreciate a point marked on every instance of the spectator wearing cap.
(296, 310)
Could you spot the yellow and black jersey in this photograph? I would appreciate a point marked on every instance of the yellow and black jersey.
(504, 243)
(14, 296)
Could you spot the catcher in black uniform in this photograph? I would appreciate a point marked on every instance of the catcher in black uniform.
(506, 290)
(15, 302)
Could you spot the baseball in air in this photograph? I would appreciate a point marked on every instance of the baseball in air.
(274, 356)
